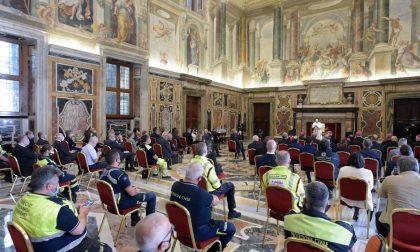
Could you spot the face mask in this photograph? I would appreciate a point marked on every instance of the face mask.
(57, 190)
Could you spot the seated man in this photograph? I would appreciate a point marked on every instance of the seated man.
(401, 192)
(270, 157)
(239, 145)
(367, 152)
(4, 161)
(30, 135)
(45, 159)
(417, 142)
(391, 141)
(284, 138)
(155, 133)
(376, 145)
(358, 139)
(257, 145)
(199, 203)
(283, 177)
(92, 157)
(405, 150)
(214, 186)
(153, 233)
(65, 155)
(53, 223)
(188, 137)
(25, 156)
(127, 194)
(313, 224)
(152, 158)
(326, 154)
(308, 148)
(166, 147)
(294, 144)
(396, 152)
(42, 139)
(128, 156)
(70, 141)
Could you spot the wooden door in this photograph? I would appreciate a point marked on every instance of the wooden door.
(192, 114)
(262, 118)
(407, 118)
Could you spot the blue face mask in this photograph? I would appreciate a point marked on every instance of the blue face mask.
(57, 190)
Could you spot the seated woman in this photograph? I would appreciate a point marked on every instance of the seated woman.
(355, 168)
(45, 159)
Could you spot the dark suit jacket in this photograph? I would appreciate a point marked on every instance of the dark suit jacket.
(357, 141)
(189, 138)
(308, 148)
(155, 135)
(386, 144)
(31, 144)
(41, 142)
(166, 147)
(63, 153)
(267, 159)
(115, 145)
(368, 153)
(258, 146)
(71, 143)
(26, 159)
(295, 145)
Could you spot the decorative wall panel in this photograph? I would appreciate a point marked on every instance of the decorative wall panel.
(75, 115)
(371, 122)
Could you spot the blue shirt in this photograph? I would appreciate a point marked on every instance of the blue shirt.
(308, 148)
(195, 199)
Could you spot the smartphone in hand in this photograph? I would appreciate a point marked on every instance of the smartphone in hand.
(88, 203)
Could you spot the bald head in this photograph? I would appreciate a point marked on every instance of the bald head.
(255, 138)
(151, 231)
(271, 146)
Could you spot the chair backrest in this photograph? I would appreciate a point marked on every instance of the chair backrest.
(106, 149)
(281, 147)
(301, 142)
(306, 160)
(279, 200)
(56, 157)
(324, 171)
(128, 146)
(376, 243)
(106, 194)
(294, 154)
(180, 217)
(14, 164)
(152, 140)
(19, 237)
(301, 245)
(142, 158)
(378, 152)
(203, 183)
(390, 148)
(81, 159)
(344, 157)
(315, 145)
(66, 145)
(174, 143)
(353, 188)
(404, 235)
(183, 142)
(193, 150)
(372, 164)
(354, 148)
(251, 155)
(231, 146)
(157, 148)
(262, 170)
(417, 152)
(395, 158)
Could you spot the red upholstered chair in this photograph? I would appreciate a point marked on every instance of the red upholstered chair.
(354, 189)
(293, 244)
(180, 217)
(261, 171)
(183, 143)
(256, 174)
(395, 158)
(203, 184)
(142, 161)
(157, 148)
(372, 165)
(251, 155)
(294, 155)
(281, 147)
(105, 150)
(66, 145)
(279, 202)
(19, 237)
(376, 243)
(301, 142)
(355, 148)
(324, 172)
(81, 158)
(152, 140)
(16, 174)
(417, 152)
(315, 145)
(306, 161)
(193, 150)
(404, 234)
(344, 157)
(232, 148)
(128, 146)
(107, 196)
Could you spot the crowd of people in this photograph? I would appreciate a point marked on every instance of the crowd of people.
(53, 222)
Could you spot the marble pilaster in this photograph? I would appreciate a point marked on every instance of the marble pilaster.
(277, 33)
(357, 26)
(294, 34)
(222, 23)
(382, 10)
(252, 46)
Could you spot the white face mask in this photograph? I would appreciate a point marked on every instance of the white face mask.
(55, 193)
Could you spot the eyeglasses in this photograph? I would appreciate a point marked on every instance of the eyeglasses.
(170, 233)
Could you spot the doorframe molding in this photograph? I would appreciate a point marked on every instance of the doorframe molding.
(390, 109)
(250, 123)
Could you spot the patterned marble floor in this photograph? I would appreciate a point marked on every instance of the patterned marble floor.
(250, 227)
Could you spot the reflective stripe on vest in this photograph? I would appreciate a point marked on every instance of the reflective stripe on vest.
(107, 173)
